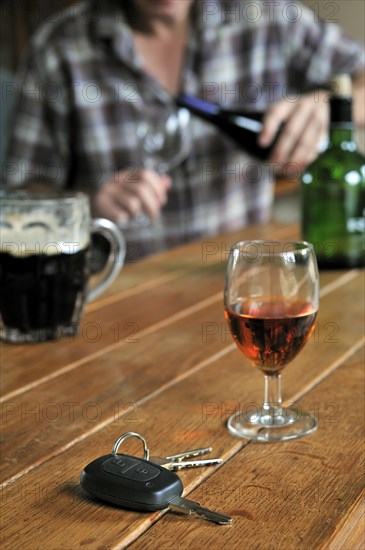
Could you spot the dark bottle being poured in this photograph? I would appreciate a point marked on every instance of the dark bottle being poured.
(242, 127)
(333, 190)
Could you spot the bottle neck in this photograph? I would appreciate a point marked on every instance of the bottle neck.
(342, 127)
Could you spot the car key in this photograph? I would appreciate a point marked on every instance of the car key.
(139, 484)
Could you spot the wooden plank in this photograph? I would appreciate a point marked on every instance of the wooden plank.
(305, 486)
(188, 414)
(350, 533)
(117, 384)
(119, 380)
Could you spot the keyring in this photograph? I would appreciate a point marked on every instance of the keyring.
(127, 435)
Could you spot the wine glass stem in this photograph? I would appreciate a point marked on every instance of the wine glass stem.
(273, 401)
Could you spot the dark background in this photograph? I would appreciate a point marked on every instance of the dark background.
(18, 21)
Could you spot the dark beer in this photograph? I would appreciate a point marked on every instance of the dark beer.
(42, 295)
(45, 263)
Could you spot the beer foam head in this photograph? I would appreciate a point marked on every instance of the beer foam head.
(40, 224)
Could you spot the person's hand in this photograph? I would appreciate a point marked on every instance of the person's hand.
(306, 125)
(358, 90)
(125, 196)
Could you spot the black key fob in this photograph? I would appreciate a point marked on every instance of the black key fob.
(131, 482)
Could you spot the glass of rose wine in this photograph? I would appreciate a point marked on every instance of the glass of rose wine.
(271, 300)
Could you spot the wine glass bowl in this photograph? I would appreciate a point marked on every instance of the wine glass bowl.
(163, 140)
(271, 301)
(163, 143)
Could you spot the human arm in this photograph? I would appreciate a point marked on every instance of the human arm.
(52, 148)
(37, 155)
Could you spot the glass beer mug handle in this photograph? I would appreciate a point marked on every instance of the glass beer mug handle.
(116, 257)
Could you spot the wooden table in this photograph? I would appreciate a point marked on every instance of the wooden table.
(154, 356)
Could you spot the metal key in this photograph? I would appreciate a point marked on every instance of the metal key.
(177, 462)
(190, 507)
(139, 484)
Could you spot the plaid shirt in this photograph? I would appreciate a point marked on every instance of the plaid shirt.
(84, 91)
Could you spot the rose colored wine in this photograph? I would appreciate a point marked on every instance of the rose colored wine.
(270, 333)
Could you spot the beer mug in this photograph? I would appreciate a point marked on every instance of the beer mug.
(45, 263)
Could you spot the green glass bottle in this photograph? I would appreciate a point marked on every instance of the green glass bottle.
(333, 190)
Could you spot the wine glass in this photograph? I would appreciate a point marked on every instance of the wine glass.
(271, 301)
(164, 141)
(163, 144)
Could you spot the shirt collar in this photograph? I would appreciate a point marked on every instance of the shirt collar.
(110, 25)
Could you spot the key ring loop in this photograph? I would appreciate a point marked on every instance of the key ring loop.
(127, 435)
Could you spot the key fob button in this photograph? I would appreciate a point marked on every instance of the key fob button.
(143, 472)
(119, 466)
(137, 470)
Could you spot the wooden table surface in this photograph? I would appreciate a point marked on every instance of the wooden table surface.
(154, 356)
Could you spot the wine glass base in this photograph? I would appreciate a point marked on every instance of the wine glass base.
(292, 424)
